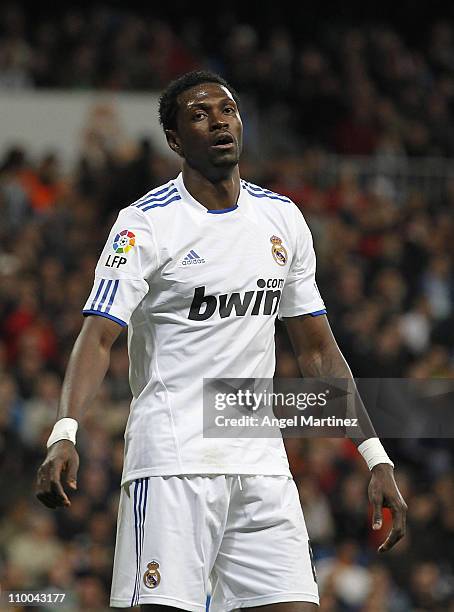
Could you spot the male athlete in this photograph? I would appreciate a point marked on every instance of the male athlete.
(187, 268)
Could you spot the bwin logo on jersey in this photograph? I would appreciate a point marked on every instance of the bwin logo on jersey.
(239, 304)
(192, 259)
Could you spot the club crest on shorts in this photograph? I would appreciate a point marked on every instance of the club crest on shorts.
(278, 251)
(152, 577)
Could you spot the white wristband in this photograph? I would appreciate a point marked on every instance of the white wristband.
(64, 429)
(373, 453)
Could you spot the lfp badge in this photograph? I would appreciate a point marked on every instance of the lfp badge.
(124, 241)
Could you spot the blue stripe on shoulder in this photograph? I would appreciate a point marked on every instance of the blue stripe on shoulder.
(154, 192)
(259, 189)
(161, 204)
(268, 191)
(260, 192)
(266, 195)
(157, 198)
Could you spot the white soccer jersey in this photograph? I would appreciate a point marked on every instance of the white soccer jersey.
(200, 290)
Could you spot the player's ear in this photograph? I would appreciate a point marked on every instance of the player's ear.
(174, 142)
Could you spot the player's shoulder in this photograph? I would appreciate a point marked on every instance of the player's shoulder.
(271, 204)
(264, 195)
(157, 198)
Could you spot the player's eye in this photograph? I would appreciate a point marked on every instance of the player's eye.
(198, 116)
(229, 109)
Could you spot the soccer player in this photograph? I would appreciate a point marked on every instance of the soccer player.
(198, 270)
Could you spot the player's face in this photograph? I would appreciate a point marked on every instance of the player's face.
(209, 132)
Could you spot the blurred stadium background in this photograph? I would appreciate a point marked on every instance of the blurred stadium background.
(353, 118)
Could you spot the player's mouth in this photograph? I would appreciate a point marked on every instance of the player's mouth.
(223, 141)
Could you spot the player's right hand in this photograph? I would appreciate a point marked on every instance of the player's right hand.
(60, 466)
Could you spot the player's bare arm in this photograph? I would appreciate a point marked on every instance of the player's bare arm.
(318, 354)
(87, 367)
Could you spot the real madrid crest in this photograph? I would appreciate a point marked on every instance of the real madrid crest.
(152, 577)
(278, 251)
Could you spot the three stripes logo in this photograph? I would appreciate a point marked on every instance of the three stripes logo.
(192, 259)
(105, 295)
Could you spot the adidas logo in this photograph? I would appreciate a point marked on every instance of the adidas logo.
(192, 259)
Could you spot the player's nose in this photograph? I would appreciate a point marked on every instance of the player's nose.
(218, 122)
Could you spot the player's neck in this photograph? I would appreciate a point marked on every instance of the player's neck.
(213, 194)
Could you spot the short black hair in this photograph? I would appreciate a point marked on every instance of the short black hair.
(168, 104)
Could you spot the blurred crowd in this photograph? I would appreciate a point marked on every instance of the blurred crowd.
(357, 90)
(385, 270)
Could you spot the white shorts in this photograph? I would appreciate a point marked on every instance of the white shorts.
(242, 537)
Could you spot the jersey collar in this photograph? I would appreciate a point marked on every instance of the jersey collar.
(187, 197)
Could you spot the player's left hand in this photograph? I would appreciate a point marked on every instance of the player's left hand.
(383, 493)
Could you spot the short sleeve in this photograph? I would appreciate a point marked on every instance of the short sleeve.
(300, 294)
(128, 259)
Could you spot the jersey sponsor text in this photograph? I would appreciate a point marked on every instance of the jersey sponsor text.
(238, 304)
